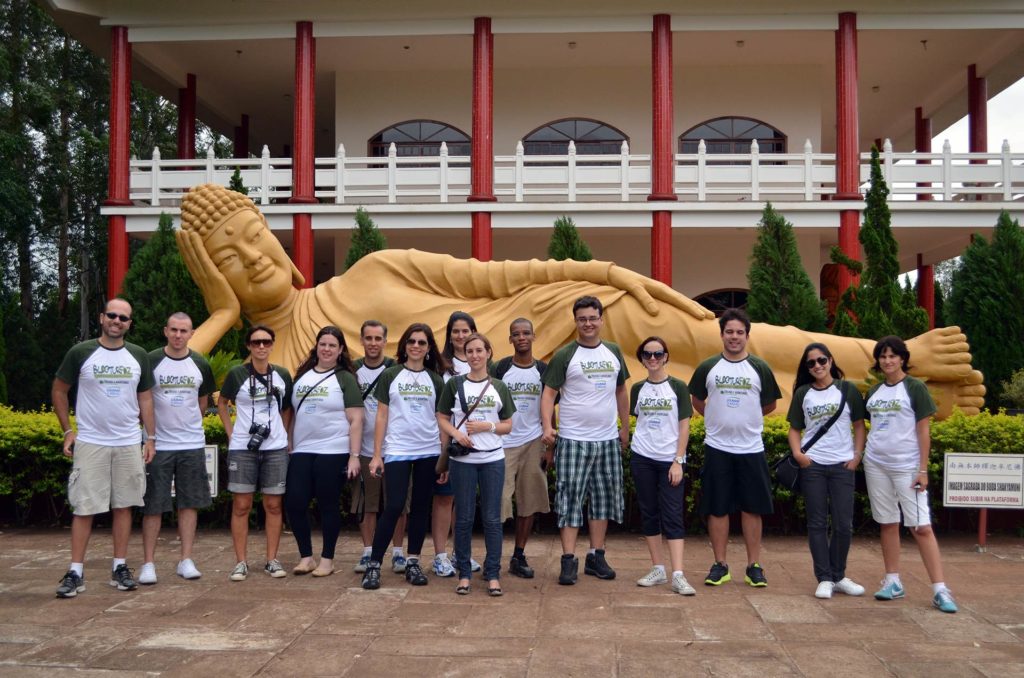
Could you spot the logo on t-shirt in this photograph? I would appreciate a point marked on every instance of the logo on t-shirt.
(520, 388)
(410, 389)
(168, 381)
(111, 371)
(881, 406)
(487, 402)
(596, 366)
(730, 382)
(819, 411)
(654, 403)
(319, 391)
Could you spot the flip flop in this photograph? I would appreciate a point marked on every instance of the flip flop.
(495, 592)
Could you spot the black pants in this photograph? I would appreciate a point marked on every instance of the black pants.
(828, 492)
(661, 505)
(322, 476)
(397, 476)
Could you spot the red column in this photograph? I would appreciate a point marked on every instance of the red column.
(977, 112)
(926, 289)
(922, 144)
(117, 179)
(302, 148)
(847, 140)
(187, 119)
(663, 159)
(242, 138)
(482, 153)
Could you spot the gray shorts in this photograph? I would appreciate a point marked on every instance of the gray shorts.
(187, 469)
(104, 478)
(266, 469)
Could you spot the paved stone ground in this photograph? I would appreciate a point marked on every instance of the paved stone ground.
(300, 626)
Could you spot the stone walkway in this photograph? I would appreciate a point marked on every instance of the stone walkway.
(300, 626)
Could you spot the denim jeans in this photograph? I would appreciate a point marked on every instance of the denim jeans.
(490, 478)
(828, 492)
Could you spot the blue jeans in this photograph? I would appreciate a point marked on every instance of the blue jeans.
(490, 478)
(828, 492)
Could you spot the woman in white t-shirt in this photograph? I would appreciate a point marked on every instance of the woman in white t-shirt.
(828, 463)
(483, 411)
(406, 444)
(896, 468)
(662, 407)
(326, 434)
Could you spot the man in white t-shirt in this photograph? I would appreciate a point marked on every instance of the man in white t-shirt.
(183, 382)
(114, 385)
(734, 390)
(589, 376)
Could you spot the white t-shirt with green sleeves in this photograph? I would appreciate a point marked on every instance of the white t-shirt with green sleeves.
(321, 424)
(255, 402)
(894, 411)
(411, 398)
(366, 376)
(178, 384)
(811, 409)
(659, 407)
(108, 382)
(586, 377)
(495, 406)
(525, 386)
(734, 393)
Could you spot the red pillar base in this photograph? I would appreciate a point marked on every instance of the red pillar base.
(849, 244)
(482, 244)
(661, 247)
(302, 246)
(117, 254)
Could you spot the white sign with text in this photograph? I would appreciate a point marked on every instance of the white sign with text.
(984, 480)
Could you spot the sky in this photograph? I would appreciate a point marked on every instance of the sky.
(1005, 121)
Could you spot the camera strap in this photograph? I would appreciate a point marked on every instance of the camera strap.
(320, 381)
(268, 381)
(841, 385)
(460, 382)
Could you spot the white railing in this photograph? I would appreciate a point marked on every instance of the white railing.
(572, 178)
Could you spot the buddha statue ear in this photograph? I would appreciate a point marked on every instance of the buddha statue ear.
(297, 278)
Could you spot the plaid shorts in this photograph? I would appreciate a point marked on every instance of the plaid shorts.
(588, 470)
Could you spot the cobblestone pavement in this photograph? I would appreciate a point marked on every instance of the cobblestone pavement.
(301, 626)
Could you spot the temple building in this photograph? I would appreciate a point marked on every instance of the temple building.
(661, 128)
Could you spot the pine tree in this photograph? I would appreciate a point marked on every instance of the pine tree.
(236, 183)
(987, 302)
(781, 293)
(566, 242)
(877, 306)
(366, 239)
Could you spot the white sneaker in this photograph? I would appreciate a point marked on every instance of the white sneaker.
(824, 589)
(147, 575)
(681, 586)
(240, 572)
(443, 566)
(849, 587)
(653, 578)
(187, 570)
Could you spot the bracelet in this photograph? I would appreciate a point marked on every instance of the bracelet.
(494, 427)
(924, 470)
(70, 430)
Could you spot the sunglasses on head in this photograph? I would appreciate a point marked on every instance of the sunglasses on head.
(820, 360)
(647, 355)
(261, 342)
(118, 316)
(415, 342)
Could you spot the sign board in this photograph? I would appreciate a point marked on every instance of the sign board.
(211, 470)
(984, 480)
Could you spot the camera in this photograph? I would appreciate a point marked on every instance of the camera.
(257, 434)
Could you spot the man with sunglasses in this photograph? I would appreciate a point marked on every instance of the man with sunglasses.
(113, 383)
(734, 390)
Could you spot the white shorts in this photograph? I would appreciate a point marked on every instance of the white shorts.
(890, 491)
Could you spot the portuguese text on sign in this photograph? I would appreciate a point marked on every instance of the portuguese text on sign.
(984, 480)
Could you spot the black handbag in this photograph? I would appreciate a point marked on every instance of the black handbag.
(786, 470)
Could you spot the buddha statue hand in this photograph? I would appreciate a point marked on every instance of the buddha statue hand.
(221, 300)
(649, 292)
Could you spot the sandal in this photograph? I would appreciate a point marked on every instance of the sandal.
(462, 589)
(494, 591)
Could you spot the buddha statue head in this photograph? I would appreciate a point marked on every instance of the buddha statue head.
(240, 246)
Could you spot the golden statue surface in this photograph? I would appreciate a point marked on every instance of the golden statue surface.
(242, 270)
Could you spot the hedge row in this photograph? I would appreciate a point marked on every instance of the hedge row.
(33, 471)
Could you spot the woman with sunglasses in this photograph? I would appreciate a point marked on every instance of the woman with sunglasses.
(406, 445)
(257, 445)
(482, 407)
(896, 468)
(827, 454)
(326, 436)
(662, 407)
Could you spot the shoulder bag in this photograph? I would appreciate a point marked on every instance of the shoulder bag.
(786, 470)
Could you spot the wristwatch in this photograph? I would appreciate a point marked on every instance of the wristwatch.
(680, 460)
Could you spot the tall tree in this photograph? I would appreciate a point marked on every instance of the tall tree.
(781, 293)
(366, 239)
(987, 302)
(566, 242)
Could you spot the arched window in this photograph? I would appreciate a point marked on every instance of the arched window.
(732, 135)
(719, 300)
(592, 137)
(419, 138)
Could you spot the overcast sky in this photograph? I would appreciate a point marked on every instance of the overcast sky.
(1005, 121)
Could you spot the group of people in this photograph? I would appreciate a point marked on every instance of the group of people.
(433, 434)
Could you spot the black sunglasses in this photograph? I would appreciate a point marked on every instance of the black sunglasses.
(416, 342)
(647, 355)
(261, 342)
(118, 316)
(820, 360)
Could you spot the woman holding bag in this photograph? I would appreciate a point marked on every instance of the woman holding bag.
(823, 409)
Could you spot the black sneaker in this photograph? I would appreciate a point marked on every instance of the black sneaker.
(371, 577)
(570, 568)
(414, 574)
(518, 566)
(596, 566)
(71, 585)
(755, 575)
(122, 580)
(718, 575)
